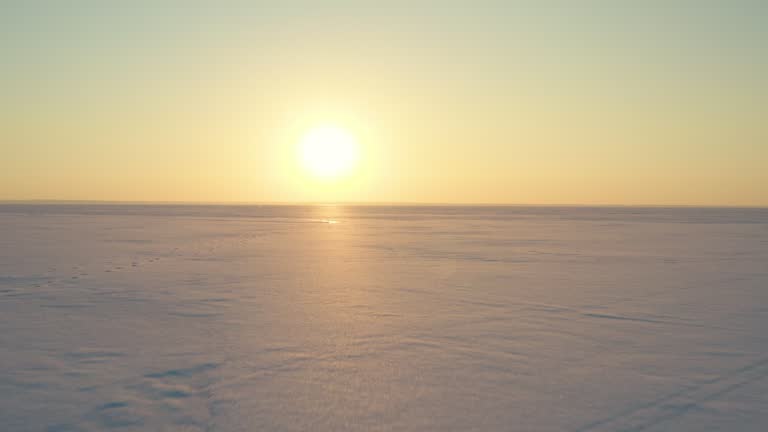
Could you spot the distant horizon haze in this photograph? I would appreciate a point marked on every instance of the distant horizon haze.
(363, 204)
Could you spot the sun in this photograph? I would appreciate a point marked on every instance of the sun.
(329, 151)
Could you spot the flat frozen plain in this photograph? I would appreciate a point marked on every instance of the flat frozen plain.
(322, 318)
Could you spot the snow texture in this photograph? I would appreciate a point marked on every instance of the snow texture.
(323, 318)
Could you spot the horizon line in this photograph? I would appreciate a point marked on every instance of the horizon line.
(362, 204)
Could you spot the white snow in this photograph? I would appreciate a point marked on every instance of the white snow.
(258, 318)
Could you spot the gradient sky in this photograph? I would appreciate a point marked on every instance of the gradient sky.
(528, 102)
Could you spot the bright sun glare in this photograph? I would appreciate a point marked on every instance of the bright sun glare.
(329, 151)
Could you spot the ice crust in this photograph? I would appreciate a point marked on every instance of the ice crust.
(432, 318)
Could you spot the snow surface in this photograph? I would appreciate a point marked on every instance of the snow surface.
(258, 318)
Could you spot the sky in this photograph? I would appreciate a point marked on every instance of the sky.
(508, 102)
